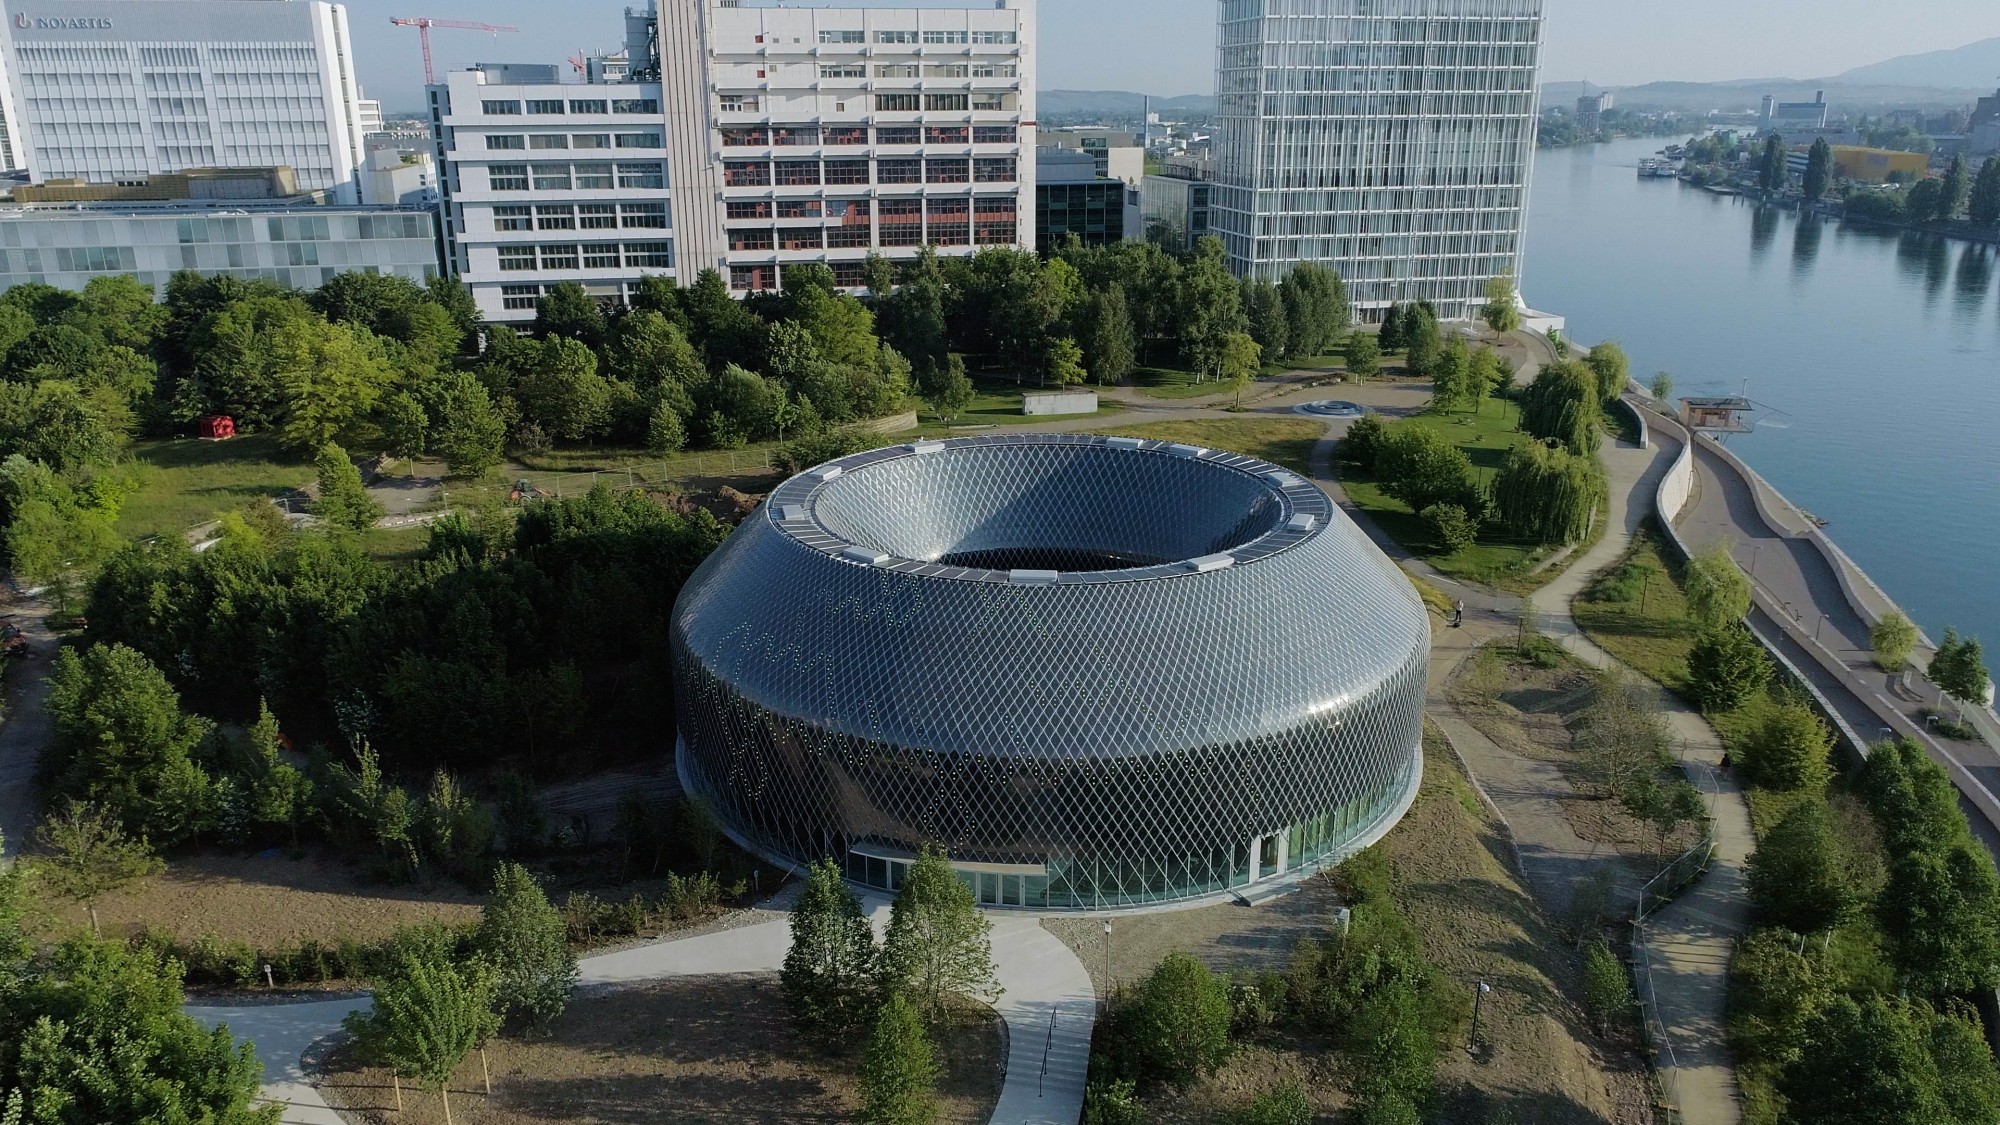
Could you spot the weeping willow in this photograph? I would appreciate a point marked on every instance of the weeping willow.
(1547, 494)
(1563, 405)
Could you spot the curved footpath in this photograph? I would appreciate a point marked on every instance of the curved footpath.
(1686, 944)
(1047, 1003)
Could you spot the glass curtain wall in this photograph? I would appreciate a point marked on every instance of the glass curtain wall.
(1391, 140)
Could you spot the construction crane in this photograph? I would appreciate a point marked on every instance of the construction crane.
(423, 24)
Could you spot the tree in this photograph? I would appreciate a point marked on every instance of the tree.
(405, 425)
(1545, 494)
(563, 391)
(525, 939)
(1718, 593)
(1450, 527)
(343, 500)
(427, 1016)
(1663, 387)
(1451, 377)
(953, 391)
(1941, 911)
(1502, 312)
(1563, 404)
(938, 945)
(1416, 465)
(1984, 202)
(665, 433)
(1771, 167)
(1422, 341)
(1394, 335)
(1314, 300)
(1363, 444)
(899, 1073)
(829, 972)
(566, 310)
(1484, 375)
(1925, 200)
(1819, 170)
(468, 432)
(1239, 363)
(87, 856)
(1798, 876)
(1957, 188)
(1266, 312)
(98, 1035)
(1109, 345)
(1893, 639)
(1211, 309)
(1726, 667)
(1364, 355)
(1613, 370)
(1181, 1025)
(1062, 365)
(1607, 990)
(329, 376)
(1863, 1062)
(1959, 670)
(278, 794)
(1789, 750)
(123, 742)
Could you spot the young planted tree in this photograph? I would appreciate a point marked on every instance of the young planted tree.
(1394, 336)
(899, 1073)
(1452, 530)
(524, 938)
(1266, 312)
(1417, 465)
(1239, 363)
(1181, 1023)
(1726, 667)
(1798, 876)
(1502, 312)
(829, 973)
(1451, 386)
(427, 1016)
(1422, 342)
(1718, 593)
(1062, 365)
(1893, 638)
(1316, 312)
(1364, 441)
(86, 855)
(939, 947)
(1959, 670)
(343, 500)
(952, 391)
(1364, 355)
(1663, 387)
(1789, 750)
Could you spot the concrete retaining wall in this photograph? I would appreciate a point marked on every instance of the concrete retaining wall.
(1059, 402)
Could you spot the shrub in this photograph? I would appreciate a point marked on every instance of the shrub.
(1607, 991)
(1182, 1020)
(1893, 638)
(1725, 668)
(522, 936)
(1451, 529)
(1285, 1105)
(1419, 467)
(1363, 443)
(1718, 592)
(1112, 1102)
(817, 449)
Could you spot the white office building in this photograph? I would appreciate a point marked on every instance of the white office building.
(1391, 140)
(743, 138)
(116, 90)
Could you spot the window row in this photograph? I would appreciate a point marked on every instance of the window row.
(845, 210)
(939, 103)
(519, 141)
(907, 36)
(584, 216)
(756, 136)
(914, 70)
(510, 107)
(888, 170)
(587, 256)
(898, 222)
(578, 177)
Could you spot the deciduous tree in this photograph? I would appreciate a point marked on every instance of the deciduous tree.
(343, 500)
(1726, 667)
(1959, 670)
(899, 1073)
(1502, 312)
(1798, 877)
(1563, 404)
(829, 972)
(524, 938)
(123, 742)
(1893, 638)
(1109, 346)
(1789, 749)
(1613, 370)
(86, 856)
(1718, 592)
(1182, 1020)
(1984, 205)
(938, 946)
(427, 1016)
(1545, 494)
(1364, 355)
(1819, 170)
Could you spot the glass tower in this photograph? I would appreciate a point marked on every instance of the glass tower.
(1391, 140)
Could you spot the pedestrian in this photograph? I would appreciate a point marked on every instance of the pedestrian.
(1457, 612)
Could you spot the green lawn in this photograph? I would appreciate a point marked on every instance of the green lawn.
(395, 546)
(1635, 612)
(999, 404)
(1171, 383)
(184, 482)
(1485, 434)
(1283, 441)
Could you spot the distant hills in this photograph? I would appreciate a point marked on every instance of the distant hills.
(1975, 66)
(1746, 93)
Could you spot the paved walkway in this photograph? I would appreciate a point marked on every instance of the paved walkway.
(1047, 1003)
(24, 733)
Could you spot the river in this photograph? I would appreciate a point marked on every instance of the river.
(1874, 354)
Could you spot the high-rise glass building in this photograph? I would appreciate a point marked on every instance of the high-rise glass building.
(1391, 140)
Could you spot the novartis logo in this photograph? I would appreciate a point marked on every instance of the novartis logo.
(63, 23)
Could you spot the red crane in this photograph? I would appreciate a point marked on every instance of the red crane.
(423, 24)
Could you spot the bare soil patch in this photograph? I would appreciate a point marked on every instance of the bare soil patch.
(269, 900)
(693, 1049)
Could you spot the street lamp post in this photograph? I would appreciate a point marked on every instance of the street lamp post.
(1107, 962)
(1473, 1041)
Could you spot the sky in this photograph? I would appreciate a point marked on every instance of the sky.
(1167, 47)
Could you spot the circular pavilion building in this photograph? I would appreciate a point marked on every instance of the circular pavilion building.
(1102, 673)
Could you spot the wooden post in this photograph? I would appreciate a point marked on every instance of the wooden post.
(485, 1073)
(396, 1080)
(445, 1093)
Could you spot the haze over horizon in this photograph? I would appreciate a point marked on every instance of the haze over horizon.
(1167, 47)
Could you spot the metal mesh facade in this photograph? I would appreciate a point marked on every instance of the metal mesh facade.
(1100, 672)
